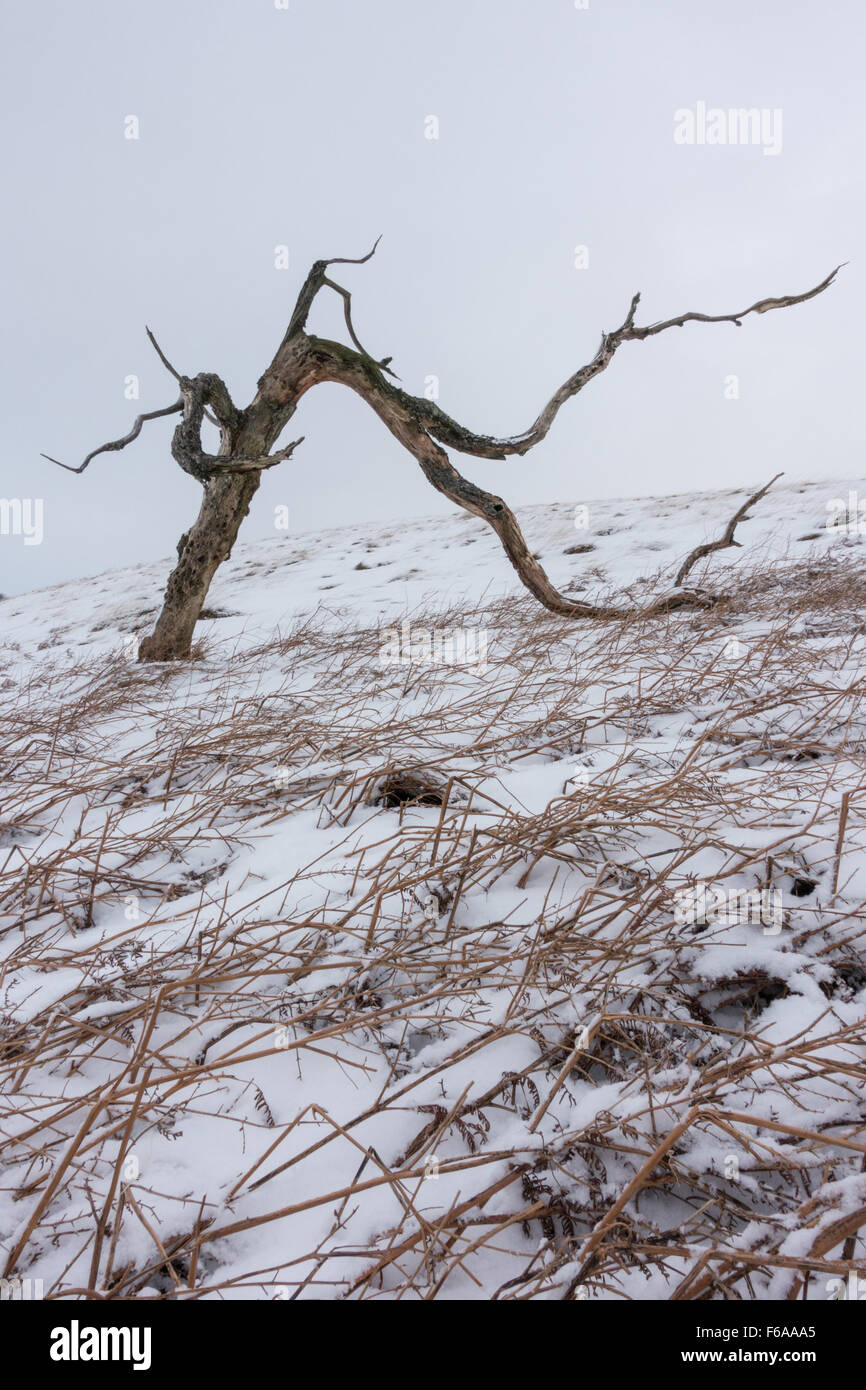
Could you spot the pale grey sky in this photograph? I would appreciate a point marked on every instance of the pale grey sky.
(306, 127)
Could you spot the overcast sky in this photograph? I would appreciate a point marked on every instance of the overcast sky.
(307, 127)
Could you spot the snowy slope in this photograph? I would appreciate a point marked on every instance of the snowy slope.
(379, 572)
(328, 977)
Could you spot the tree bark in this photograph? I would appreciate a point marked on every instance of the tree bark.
(230, 480)
(201, 551)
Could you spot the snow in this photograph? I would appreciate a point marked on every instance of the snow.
(240, 991)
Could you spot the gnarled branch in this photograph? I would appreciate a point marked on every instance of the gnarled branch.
(347, 309)
(422, 427)
(197, 392)
(119, 443)
(350, 370)
(727, 537)
(186, 448)
(312, 285)
(455, 436)
(161, 355)
(440, 471)
(169, 368)
(251, 465)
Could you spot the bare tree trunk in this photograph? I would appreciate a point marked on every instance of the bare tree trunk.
(201, 551)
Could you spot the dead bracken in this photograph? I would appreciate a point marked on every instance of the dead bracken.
(373, 981)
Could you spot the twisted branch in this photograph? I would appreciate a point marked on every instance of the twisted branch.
(253, 465)
(727, 538)
(350, 370)
(169, 368)
(312, 285)
(318, 279)
(196, 394)
(455, 436)
(347, 310)
(422, 428)
(119, 443)
(186, 447)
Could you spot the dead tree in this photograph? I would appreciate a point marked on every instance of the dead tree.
(231, 476)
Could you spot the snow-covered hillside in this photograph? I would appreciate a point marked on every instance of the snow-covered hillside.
(375, 573)
(327, 974)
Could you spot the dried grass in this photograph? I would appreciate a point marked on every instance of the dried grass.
(604, 1150)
